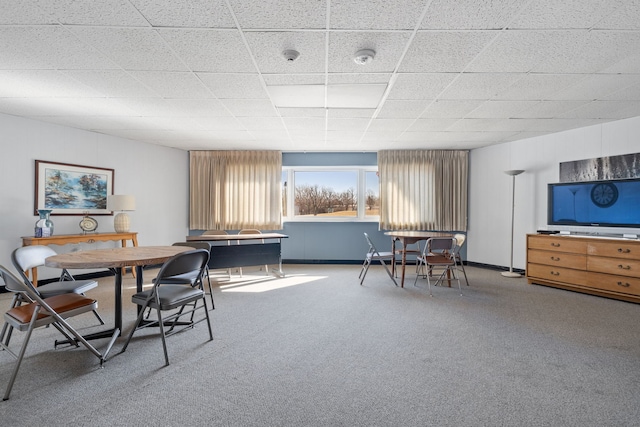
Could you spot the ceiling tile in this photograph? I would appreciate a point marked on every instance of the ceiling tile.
(351, 113)
(280, 13)
(394, 109)
(430, 125)
(194, 13)
(234, 85)
(302, 112)
(444, 51)
(42, 84)
(210, 50)
(500, 109)
(20, 12)
(300, 124)
(173, 85)
(537, 86)
(113, 83)
(347, 124)
(294, 79)
(250, 107)
(549, 109)
(355, 95)
(450, 108)
(548, 14)
(375, 14)
(104, 12)
(131, 48)
(298, 96)
(262, 123)
(198, 107)
(470, 14)
(479, 86)
(219, 123)
(48, 47)
(387, 125)
(420, 86)
(368, 78)
(595, 86)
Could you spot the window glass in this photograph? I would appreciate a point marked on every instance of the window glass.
(372, 194)
(326, 193)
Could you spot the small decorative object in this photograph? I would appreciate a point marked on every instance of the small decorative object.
(44, 226)
(88, 224)
(121, 203)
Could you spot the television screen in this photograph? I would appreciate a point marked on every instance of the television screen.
(613, 203)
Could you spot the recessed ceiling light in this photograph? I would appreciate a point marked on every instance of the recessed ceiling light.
(364, 56)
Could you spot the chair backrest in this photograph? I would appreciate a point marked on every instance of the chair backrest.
(214, 233)
(13, 284)
(441, 245)
(28, 257)
(372, 247)
(460, 239)
(249, 231)
(184, 264)
(194, 245)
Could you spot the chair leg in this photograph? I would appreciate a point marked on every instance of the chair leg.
(164, 338)
(388, 272)
(23, 349)
(365, 268)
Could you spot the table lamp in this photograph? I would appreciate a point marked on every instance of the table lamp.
(121, 203)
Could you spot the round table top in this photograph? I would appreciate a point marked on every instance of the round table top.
(115, 257)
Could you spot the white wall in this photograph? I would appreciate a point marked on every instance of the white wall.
(157, 176)
(490, 189)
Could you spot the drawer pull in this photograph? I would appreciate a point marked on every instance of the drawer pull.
(555, 258)
(624, 251)
(555, 245)
(624, 267)
(555, 273)
(91, 241)
(624, 285)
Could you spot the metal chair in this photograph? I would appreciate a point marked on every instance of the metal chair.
(191, 279)
(45, 311)
(460, 239)
(166, 295)
(374, 255)
(439, 253)
(28, 257)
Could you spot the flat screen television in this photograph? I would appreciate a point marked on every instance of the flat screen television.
(613, 203)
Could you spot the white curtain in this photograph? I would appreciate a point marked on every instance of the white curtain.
(232, 190)
(423, 189)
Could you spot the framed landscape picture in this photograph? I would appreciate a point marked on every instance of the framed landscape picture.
(68, 189)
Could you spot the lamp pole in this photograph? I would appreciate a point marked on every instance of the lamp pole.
(513, 173)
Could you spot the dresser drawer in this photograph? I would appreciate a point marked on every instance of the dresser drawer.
(556, 274)
(620, 267)
(557, 243)
(608, 282)
(617, 249)
(559, 259)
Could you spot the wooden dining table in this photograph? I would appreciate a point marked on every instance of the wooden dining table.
(408, 237)
(115, 259)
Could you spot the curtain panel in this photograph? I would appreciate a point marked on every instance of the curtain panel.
(423, 189)
(232, 190)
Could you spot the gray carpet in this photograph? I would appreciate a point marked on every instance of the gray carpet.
(317, 349)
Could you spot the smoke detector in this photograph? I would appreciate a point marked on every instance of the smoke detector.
(291, 55)
(364, 56)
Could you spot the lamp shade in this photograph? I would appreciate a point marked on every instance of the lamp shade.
(121, 202)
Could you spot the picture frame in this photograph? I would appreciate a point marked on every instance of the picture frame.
(68, 189)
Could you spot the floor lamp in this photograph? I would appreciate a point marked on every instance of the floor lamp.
(513, 174)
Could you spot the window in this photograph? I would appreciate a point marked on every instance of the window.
(336, 194)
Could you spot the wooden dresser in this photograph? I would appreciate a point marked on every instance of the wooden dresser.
(600, 266)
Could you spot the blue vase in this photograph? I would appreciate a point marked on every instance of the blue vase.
(44, 226)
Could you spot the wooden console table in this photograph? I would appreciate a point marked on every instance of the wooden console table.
(607, 267)
(65, 239)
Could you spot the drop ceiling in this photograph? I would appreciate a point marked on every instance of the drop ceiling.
(211, 74)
